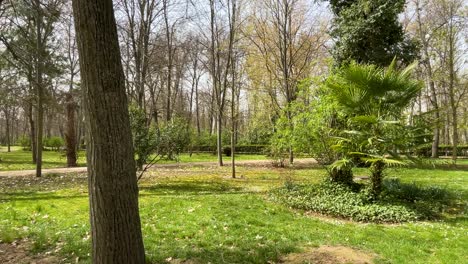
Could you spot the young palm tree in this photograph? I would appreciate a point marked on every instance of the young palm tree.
(365, 89)
(372, 99)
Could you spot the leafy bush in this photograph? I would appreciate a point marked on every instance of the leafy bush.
(54, 143)
(413, 192)
(347, 202)
(152, 143)
(174, 137)
(24, 142)
(144, 136)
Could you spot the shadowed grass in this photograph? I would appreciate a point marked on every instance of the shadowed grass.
(204, 216)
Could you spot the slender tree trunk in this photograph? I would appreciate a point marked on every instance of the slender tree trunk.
(431, 84)
(32, 135)
(465, 121)
(7, 128)
(39, 90)
(197, 110)
(233, 123)
(115, 220)
(70, 134)
(219, 141)
(169, 60)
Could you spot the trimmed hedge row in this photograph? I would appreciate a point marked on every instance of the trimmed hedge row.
(247, 149)
(444, 150)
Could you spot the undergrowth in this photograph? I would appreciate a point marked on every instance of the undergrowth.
(400, 202)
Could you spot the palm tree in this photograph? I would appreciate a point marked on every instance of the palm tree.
(365, 89)
(372, 99)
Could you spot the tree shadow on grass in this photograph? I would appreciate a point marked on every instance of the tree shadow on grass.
(192, 188)
(249, 252)
(36, 196)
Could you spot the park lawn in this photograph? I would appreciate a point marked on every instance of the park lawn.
(200, 214)
(18, 159)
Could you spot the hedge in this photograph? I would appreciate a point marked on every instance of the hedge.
(244, 149)
(444, 150)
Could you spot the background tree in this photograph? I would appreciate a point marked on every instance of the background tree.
(369, 31)
(287, 42)
(29, 37)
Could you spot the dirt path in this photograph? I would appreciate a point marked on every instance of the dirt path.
(248, 163)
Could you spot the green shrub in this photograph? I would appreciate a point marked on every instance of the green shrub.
(342, 201)
(174, 137)
(243, 149)
(24, 142)
(413, 192)
(55, 143)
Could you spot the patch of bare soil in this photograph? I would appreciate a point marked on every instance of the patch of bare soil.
(329, 255)
(180, 261)
(18, 253)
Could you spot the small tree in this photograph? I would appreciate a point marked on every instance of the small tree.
(151, 143)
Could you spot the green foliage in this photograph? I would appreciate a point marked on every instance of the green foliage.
(282, 140)
(152, 143)
(173, 138)
(365, 90)
(24, 142)
(413, 192)
(315, 122)
(144, 137)
(369, 31)
(54, 143)
(341, 201)
(373, 99)
(259, 131)
(444, 150)
(402, 202)
(205, 139)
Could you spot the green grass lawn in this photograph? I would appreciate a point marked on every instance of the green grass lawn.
(18, 159)
(201, 215)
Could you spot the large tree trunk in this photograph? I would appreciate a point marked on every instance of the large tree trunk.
(70, 134)
(115, 220)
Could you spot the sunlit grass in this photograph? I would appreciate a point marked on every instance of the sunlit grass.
(19, 159)
(203, 215)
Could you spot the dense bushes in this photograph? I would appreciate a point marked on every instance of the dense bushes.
(24, 142)
(55, 143)
(398, 203)
(243, 149)
(444, 150)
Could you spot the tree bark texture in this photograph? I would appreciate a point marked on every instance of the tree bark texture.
(70, 134)
(115, 220)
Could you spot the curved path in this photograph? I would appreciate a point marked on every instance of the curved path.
(297, 163)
